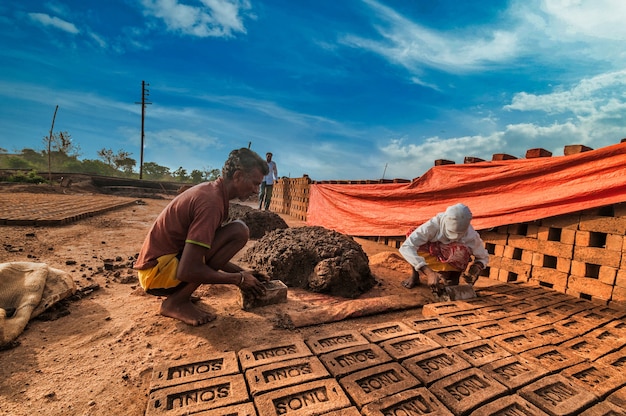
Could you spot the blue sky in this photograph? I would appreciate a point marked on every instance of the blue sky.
(348, 89)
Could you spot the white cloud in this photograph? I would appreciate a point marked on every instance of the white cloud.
(583, 99)
(211, 18)
(603, 19)
(414, 46)
(47, 20)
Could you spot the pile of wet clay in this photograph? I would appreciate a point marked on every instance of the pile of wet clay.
(313, 258)
(259, 222)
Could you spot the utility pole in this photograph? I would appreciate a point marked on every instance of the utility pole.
(50, 144)
(144, 94)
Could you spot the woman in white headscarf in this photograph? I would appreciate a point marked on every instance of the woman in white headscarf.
(442, 248)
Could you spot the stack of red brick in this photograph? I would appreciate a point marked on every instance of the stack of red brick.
(580, 254)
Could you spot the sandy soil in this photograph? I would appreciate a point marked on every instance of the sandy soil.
(98, 359)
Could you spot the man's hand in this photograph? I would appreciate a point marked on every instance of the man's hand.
(250, 283)
(260, 276)
(434, 279)
(474, 271)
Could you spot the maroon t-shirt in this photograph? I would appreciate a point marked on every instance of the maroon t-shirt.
(193, 216)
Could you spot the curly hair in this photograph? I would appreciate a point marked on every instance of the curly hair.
(245, 160)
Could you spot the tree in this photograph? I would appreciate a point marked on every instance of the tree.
(62, 142)
(107, 156)
(206, 174)
(120, 160)
(126, 165)
(154, 171)
(180, 174)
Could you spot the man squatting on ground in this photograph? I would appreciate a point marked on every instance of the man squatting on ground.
(188, 246)
(265, 195)
(441, 249)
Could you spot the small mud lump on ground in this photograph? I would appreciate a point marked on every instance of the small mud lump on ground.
(315, 259)
(259, 222)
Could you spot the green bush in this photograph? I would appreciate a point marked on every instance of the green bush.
(30, 177)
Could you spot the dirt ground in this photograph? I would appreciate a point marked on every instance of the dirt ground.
(98, 359)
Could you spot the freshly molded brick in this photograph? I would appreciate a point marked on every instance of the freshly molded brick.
(426, 324)
(350, 411)
(616, 360)
(350, 360)
(313, 398)
(408, 345)
(282, 374)
(451, 336)
(323, 343)
(589, 348)
(549, 334)
(604, 409)
(546, 315)
(522, 322)
(374, 383)
(435, 365)
(467, 390)
(243, 409)
(489, 329)
(467, 317)
(388, 330)
(517, 342)
(496, 312)
(442, 308)
(596, 378)
(515, 371)
(553, 358)
(418, 401)
(198, 396)
(558, 396)
(171, 374)
(512, 405)
(480, 352)
(271, 353)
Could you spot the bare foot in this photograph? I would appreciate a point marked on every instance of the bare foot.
(186, 312)
(411, 282)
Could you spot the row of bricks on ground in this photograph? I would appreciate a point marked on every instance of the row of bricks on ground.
(559, 358)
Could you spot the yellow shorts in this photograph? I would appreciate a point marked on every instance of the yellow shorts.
(161, 276)
(436, 265)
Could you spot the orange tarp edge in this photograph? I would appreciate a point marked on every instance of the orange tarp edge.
(498, 193)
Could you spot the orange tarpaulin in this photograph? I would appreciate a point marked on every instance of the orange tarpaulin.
(497, 192)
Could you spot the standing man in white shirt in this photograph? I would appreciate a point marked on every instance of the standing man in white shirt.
(265, 194)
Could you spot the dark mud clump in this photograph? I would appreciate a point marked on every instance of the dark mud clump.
(259, 222)
(313, 258)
